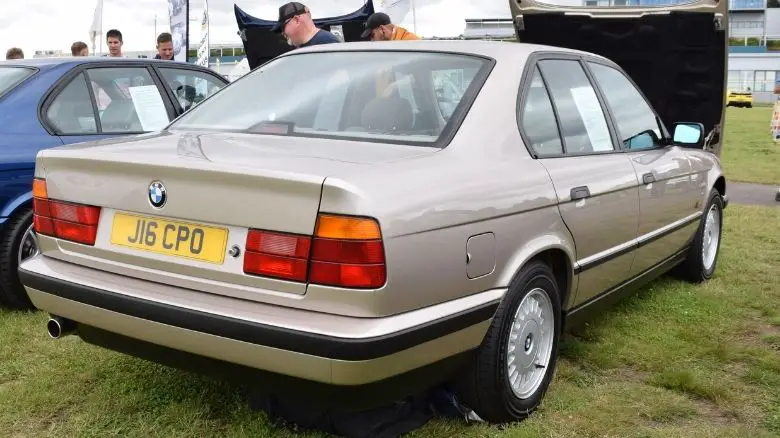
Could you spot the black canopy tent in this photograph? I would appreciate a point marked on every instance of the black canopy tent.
(262, 45)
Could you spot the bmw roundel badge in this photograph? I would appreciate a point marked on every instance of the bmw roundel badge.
(157, 194)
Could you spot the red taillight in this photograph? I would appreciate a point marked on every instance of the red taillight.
(277, 255)
(344, 252)
(63, 220)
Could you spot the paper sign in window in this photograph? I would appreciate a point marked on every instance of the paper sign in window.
(150, 107)
(593, 118)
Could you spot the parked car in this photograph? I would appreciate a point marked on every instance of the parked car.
(46, 102)
(341, 231)
(742, 99)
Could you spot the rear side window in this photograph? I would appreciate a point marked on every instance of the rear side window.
(582, 120)
(71, 111)
(538, 119)
(10, 77)
(635, 119)
(127, 100)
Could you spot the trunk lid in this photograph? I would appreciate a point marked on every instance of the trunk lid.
(216, 184)
(676, 53)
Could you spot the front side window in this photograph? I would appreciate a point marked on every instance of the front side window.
(636, 121)
(582, 120)
(348, 95)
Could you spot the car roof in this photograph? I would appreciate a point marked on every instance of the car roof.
(78, 60)
(492, 49)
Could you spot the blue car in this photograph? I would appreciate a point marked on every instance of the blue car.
(52, 102)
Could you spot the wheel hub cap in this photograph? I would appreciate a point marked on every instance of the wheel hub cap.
(530, 343)
(711, 237)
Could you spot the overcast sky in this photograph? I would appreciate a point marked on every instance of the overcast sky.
(55, 24)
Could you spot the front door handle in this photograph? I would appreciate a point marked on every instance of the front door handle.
(581, 192)
(648, 178)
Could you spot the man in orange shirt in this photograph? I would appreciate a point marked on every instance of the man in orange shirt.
(379, 28)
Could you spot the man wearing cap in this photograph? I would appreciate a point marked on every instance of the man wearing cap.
(379, 28)
(297, 27)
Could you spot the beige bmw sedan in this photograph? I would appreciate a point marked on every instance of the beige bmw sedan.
(371, 215)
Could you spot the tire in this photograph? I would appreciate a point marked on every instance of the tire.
(12, 293)
(485, 387)
(697, 268)
(750, 105)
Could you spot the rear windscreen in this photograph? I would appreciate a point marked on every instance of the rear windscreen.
(384, 96)
(12, 76)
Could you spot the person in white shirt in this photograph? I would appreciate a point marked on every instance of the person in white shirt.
(114, 43)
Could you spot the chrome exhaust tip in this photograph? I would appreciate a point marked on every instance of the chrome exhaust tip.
(58, 327)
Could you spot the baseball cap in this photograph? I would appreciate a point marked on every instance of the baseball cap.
(375, 20)
(287, 11)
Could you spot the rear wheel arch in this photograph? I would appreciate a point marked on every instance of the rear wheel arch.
(560, 263)
(720, 185)
(18, 204)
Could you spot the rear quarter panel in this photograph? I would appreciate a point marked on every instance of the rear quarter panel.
(21, 137)
(483, 182)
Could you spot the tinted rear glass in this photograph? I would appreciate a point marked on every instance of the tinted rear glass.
(13, 76)
(400, 97)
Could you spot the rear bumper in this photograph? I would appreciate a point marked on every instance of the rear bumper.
(117, 308)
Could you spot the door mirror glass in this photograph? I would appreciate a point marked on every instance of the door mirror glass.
(688, 134)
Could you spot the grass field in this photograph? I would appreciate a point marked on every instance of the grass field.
(749, 154)
(676, 360)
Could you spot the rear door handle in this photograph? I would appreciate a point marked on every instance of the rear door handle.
(648, 178)
(581, 192)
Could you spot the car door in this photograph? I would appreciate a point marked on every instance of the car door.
(668, 195)
(565, 127)
(107, 101)
(675, 51)
(188, 87)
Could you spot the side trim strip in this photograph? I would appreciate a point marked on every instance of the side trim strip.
(617, 251)
(584, 311)
(261, 334)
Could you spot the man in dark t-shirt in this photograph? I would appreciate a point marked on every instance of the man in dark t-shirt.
(297, 27)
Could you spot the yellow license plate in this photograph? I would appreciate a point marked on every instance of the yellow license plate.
(163, 236)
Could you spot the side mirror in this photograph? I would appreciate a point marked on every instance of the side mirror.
(690, 135)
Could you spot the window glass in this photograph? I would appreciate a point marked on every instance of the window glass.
(582, 120)
(387, 97)
(538, 119)
(128, 100)
(190, 87)
(12, 76)
(450, 86)
(71, 111)
(636, 122)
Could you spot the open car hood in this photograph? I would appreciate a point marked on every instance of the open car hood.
(262, 45)
(677, 54)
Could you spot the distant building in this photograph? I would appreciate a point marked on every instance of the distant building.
(489, 29)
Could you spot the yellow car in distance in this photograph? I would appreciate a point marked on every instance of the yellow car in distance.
(740, 98)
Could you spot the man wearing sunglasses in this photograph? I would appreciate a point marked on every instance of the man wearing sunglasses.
(297, 27)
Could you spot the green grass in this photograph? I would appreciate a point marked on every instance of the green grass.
(749, 153)
(675, 360)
